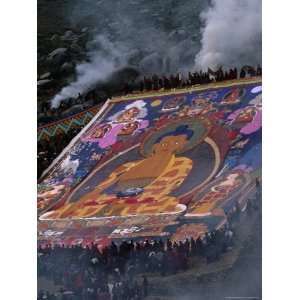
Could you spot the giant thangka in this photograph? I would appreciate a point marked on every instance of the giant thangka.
(169, 165)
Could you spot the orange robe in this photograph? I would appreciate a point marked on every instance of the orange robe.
(155, 198)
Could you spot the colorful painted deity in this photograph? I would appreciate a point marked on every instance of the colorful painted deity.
(249, 118)
(173, 104)
(199, 107)
(161, 171)
(217, 193)
(126, 122)
(233, 97)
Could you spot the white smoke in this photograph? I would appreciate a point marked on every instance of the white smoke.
(162, 39)
(231, 35)
(104, 58)
(152, 36)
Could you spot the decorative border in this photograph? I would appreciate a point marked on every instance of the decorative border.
(65, 124)
(76, 138)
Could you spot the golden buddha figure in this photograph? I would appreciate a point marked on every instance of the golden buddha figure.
(143, 186)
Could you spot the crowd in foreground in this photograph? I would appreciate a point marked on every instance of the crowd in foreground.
(121, 271)
(114, 273)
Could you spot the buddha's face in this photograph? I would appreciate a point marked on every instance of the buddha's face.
(170, 144)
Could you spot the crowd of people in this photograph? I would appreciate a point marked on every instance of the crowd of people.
(148, 83)
(121, 271)
(118, 272)
(178, 81)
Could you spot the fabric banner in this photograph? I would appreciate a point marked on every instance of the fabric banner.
(170, 165)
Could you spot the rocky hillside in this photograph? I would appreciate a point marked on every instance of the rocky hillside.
(150, 36)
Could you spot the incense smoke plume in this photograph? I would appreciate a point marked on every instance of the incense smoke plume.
(150, 36)
(163, 37)
(231, 35)
(104, 57)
